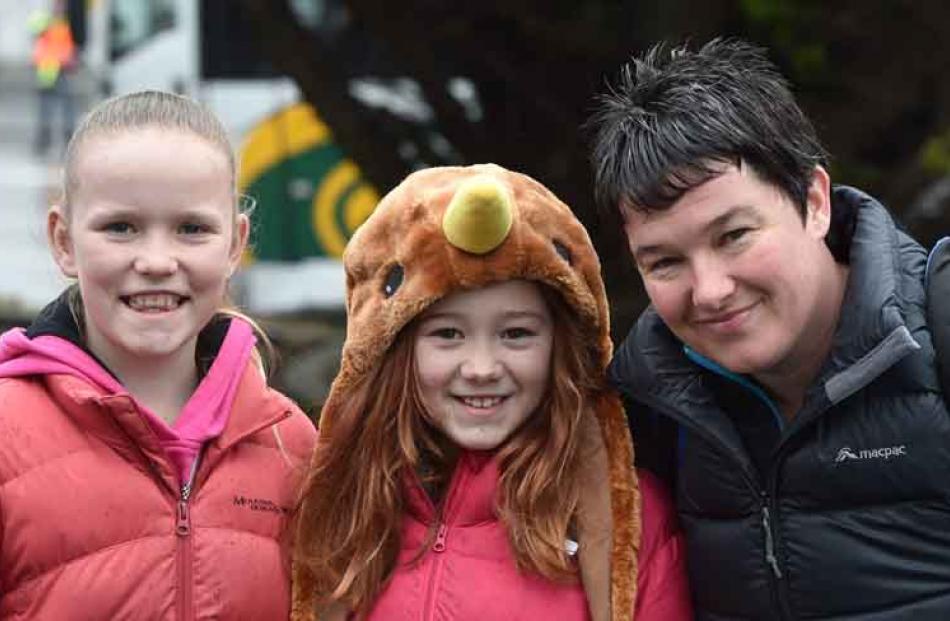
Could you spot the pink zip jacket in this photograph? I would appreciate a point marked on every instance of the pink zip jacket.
(469, 572)
(108, 513)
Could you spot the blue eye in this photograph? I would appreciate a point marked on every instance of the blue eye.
(192, 228)
(119, 228)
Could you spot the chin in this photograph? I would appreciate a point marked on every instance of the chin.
(750, 364)
(476, 444)
(159, 348)
(737, 358)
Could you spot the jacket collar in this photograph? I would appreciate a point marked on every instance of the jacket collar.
(57, 319)
(607, 522)
(256, 407)
(469, 498)
(874, 334)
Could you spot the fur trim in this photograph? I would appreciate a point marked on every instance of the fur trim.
(625, 507)
(399, 262)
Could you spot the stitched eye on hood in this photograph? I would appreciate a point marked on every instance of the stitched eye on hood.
(562, 250)
(393, 280)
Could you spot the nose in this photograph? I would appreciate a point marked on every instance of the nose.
(481, 364)
(155, 257)
(713, 284)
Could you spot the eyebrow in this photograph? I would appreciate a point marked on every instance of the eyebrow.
(512, 314)
(128, 211)
(718, 222)
(111, 211)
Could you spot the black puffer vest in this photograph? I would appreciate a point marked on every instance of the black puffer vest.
(852, 518)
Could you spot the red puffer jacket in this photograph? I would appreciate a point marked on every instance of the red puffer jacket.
(87, 492)
(469, 571)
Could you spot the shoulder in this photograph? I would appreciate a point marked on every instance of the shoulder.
(35, 428)
(646, 356)
(937, 281)
(297, 432)
(938, 314)
(291, 430)
(659, 522)
(662, 582)
(19, 392)
(26, 407)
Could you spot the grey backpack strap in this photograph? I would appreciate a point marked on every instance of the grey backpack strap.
(938, 308)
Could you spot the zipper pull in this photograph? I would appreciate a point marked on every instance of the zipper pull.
(439, 545)
(183, 526)
(770, 543)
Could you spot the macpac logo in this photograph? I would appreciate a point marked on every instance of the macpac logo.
(846, 454)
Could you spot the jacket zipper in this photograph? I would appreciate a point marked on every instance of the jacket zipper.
(770, 559)
(767, 510)
(439, 546)
(772, 526)
(435, 572)
(185, 553)
(776, 575)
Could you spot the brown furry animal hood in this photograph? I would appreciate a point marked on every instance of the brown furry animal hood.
(447, 229)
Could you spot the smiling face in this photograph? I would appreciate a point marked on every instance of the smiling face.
(483, 359)
(152, 236)
(736, 274)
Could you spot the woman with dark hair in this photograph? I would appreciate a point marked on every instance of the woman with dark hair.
(472, 462)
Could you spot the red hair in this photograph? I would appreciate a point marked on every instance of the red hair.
(350, 513)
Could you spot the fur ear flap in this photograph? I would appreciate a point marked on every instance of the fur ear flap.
(608, 513)
(625, 506)
(594, 519)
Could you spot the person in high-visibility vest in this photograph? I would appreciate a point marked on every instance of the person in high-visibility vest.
(54, 55)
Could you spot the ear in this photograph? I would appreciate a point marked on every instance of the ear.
(242, 228)
(818, 204)
(60, 241)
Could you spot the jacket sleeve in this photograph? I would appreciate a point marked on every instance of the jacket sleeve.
(662, 584)
(938, 310)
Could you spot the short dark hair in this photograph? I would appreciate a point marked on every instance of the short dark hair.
(675, 116)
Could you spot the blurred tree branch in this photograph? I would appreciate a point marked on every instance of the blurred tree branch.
(318, 68)
(877, 99)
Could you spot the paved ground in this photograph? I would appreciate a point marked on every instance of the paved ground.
(28, 183)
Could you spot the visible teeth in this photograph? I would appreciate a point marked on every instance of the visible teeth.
(154, 302)
(481, 402)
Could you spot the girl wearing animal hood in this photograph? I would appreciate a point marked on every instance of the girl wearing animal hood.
(472, 462)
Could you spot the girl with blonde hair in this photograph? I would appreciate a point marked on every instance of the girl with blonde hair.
(146, 469)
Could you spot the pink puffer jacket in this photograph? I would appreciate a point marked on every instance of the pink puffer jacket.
(469, 572)
(87, 492)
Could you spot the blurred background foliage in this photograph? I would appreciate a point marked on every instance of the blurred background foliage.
(396, 86)
(513, 82)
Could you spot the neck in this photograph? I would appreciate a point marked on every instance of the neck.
(162, 384)
(789, 380)
(166, 393)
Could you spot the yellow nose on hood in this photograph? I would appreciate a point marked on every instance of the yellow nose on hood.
(479, 216)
